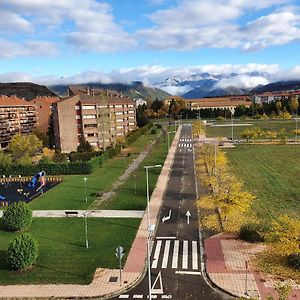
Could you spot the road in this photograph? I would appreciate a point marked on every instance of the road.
(175, 257)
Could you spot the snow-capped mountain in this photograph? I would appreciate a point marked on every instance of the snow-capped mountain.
(206, 84)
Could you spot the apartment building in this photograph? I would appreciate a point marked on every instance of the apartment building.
(100, 116)
(274, 97)
(16, 116)
(230, 103)
(43, 107)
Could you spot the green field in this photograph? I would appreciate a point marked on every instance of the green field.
(70, 193)
(272, 174)
(265, 125)
(63, 257)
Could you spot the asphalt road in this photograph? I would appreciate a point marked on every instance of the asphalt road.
(175, 256)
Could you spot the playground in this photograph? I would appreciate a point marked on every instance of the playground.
(14, 189)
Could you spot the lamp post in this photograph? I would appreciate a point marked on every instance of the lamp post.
(84, 180)
(150, 232)
(150, 227)
(147, 187)
(231, 128)
(169, 138)
(86, 231)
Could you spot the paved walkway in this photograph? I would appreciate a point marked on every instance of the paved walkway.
(89, 213)
(228, 265)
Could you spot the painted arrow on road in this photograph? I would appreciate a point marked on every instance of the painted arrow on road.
(166, 218)
(188, 214)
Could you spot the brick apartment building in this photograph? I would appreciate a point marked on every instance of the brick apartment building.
(270, 97)
(16, 116)
(228, 102)
(99, 116)
(43, 107)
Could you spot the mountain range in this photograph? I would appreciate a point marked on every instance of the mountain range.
(212, 85)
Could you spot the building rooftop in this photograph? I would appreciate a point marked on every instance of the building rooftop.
(13, 101)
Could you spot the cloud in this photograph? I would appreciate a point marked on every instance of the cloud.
(31, 47)
(87, 25)
(195, 24)
(242, 81)
(15, 77)
(11, 22)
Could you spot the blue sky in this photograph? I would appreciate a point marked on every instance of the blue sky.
(61, 41)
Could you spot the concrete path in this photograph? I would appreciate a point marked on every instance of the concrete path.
(89, 213)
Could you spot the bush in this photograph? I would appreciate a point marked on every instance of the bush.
(17, 216)
(158, 126)
(252, 232)
(293, 261)
(82, 156)
(22, 252)
(153, 131)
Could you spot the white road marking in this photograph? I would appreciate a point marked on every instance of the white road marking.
(166, 255)
(166, 237)
(188, 272)
(138, 296)
(156, 255)
(166, 297)
(123, 296)
(195, 255)
(185, 254)
(175, 255)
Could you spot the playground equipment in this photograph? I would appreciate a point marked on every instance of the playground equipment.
(39, 177)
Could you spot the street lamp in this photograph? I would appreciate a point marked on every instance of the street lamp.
(147, 187)
(169, 138)
(150, 232)
(84, 180)
(86, 231)
(231, 128)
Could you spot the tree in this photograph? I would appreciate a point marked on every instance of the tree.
(22, 252)
(17, 217)
(141, 118)
(84, 145)
(24, 146)
(294, 104)
(278, 107)
(5, 159)
(41, 136)
(156, 105)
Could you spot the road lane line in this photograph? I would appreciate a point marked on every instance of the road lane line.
(188, 272)
(123, 296)
(195, 255)
(166, 255)
(166, 237)
(156, 255)
(175, 255)
(185, 254)
(138, 296)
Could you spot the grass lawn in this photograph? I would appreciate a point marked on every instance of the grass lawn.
(70, 193)
(272, 174)
(265, 125)
(132, 194)
(63, 257)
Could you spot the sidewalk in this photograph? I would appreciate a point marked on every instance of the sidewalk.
(106, 281)
(228, 267)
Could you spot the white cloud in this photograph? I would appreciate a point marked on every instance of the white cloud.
(15, 77)
(287, 74)
(84, 25)
(11, 22)
(195, 24)
(242, 81)
(12, 49)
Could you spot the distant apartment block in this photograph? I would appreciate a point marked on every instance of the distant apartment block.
(16, 116)
(43, 107)
(274, 97)
(228, 102)
(100, 116)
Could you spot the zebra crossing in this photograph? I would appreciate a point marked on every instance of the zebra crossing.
(126, 296)
(185, 145)
(176, 254)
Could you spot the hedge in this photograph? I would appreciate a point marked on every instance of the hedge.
(133, 136)
(22, 252)
(83, 156)
(49, 168)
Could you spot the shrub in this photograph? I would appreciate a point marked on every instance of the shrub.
(22, 252)
(153, 131)
(252, 232)
(293, 260)
(17, 216)
(158, 126)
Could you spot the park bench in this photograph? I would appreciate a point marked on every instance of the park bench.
(71, 213)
